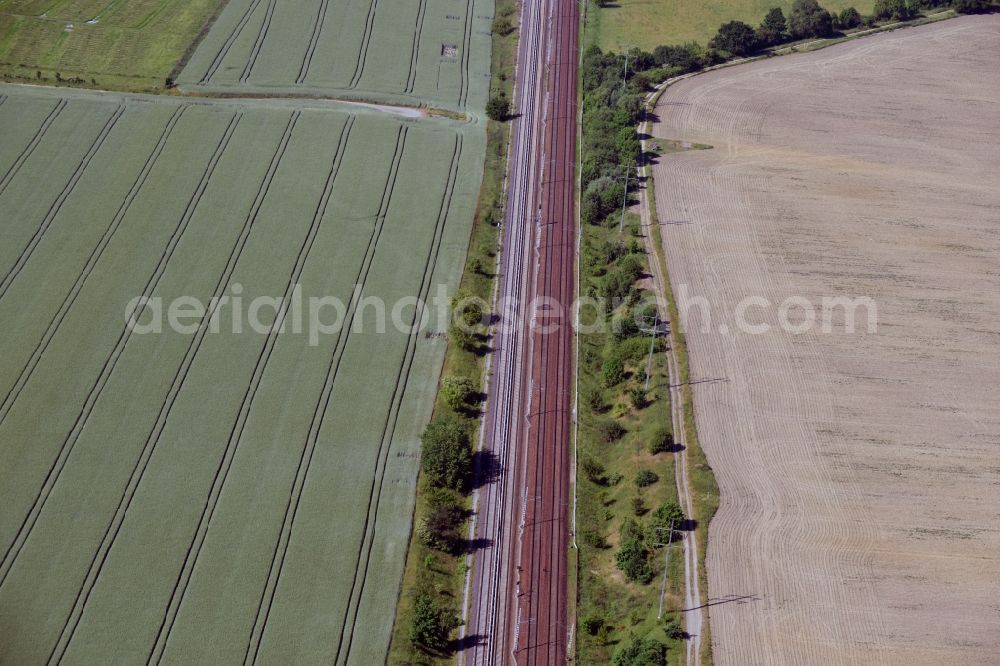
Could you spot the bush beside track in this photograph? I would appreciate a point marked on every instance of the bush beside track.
(625, 468)
(434, 576)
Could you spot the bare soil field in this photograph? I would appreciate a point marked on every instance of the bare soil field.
(860, 472)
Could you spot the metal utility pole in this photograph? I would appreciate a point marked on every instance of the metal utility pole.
(626, 48)
(666, 566)
(652, 344)
(628, 174)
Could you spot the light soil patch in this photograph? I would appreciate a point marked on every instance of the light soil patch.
(860, 473)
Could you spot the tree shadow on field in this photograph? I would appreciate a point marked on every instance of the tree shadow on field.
(487, 468)
(469, 546)
(464, 643)
(687, 525)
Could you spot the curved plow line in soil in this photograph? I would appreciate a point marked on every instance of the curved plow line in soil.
(463, 71)
(228, 44)
(415, 49)
(359, 68)
(259, 43)
(57, 205)
(109, 365)
(95, 257)
(319, 414)
(236, 434)
(313, 42)
(180, 378)
(30, 148)
(392, 418)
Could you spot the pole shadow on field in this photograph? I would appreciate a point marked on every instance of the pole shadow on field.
(728, 599)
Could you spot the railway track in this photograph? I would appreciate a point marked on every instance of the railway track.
(518, 582)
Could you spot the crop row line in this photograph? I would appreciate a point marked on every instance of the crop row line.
(365, 41)
(415, 49)
(319, 415)
(392, 418)
(463, 96)
(228, 44)
(92, 261)
(259, 43)
(30, 148)
(313, 41)
(236, 434)
(27, 525)
(57, 205)
(177, 385)
(56, 469)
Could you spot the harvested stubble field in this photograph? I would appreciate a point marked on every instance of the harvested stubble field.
(431, 52)
(860, 473)
(213, 496)
(126, 45)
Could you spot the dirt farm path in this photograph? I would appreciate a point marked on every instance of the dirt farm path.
(860, 472)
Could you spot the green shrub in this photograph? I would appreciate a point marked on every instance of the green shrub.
(633, 560)
(458, 392)
(593, 397)
(498, 108)
(593, 539)
(592, 624)
(630, 529)
(808, 19)
(661, 441)
(431, 624)
(773, 29)
(669, 513)
(735, 37)
(849, 18)
(609, 430)
(646, 477)
(613, 371)
(896, 10)
(593, 470)
(446, 453)
(642, 652)
(638, 396)
(502, 26)
(440, 527)
(673, 629)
